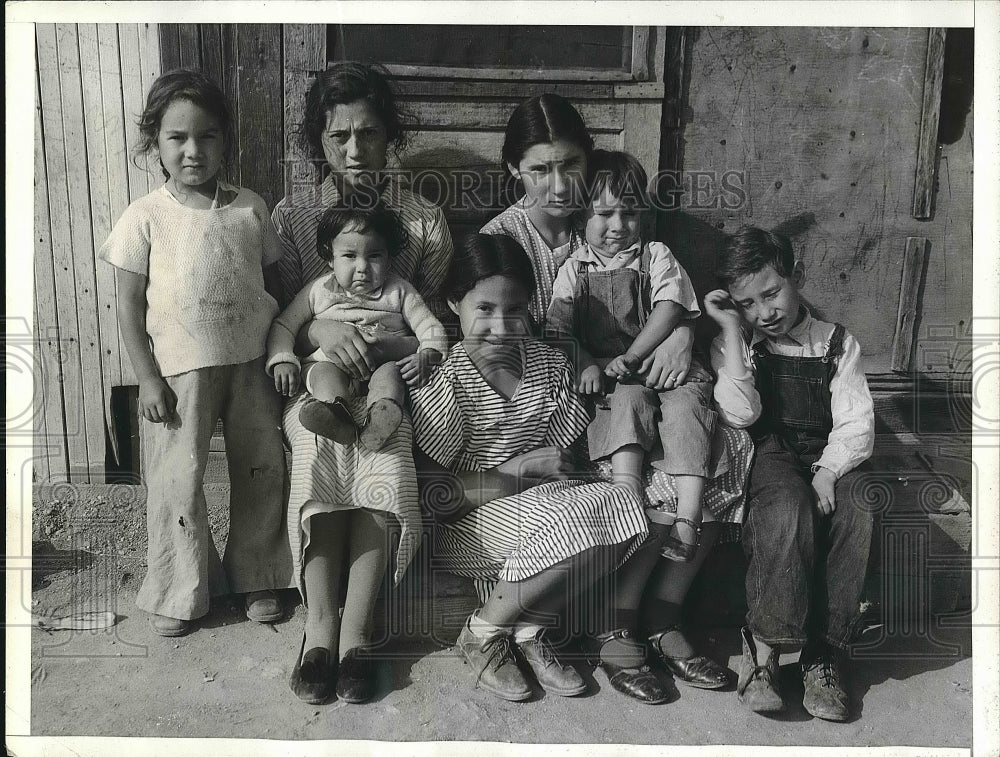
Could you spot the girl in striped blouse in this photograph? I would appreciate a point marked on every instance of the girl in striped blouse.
(494, 427)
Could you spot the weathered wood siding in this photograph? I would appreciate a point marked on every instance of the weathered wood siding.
(824, 127)
(90, 83)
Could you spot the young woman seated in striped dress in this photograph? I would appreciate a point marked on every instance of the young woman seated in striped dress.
(494, 427)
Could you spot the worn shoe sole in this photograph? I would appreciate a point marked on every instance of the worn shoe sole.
(329, 421)
(384, 417)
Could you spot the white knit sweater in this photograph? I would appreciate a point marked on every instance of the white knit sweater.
(206, 303)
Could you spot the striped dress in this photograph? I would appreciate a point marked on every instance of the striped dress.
(463, 424)
(327, 476)
(724, 495)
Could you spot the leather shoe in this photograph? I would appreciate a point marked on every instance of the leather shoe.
(493, 661)
(637, 681)
(164, 626)
(312, 676)
(356, 677)
(698, 671)
(264, 606)
(824, 696)
(553, 676)
(757, 687)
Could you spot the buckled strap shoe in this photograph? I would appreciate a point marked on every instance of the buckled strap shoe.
(553, 675)
(757, 686)
(623, 660)
(698, 671)
(494, 662)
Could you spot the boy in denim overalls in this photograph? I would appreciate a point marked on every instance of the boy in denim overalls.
(617, 299)
(807, 541)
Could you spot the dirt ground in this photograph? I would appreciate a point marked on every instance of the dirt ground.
(229, 678)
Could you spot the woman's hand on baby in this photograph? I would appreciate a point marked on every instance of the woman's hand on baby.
(667, 367)
(345, 347)
(719, 306)
(589, 381)
(157, 401)
(286, 379)
(416, 369)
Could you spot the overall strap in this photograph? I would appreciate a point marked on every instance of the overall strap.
(836, 347)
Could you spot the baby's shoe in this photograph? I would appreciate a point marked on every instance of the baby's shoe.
(757, 687)
(824, 696)
(494, 662)
(384, 417)
(332, 420)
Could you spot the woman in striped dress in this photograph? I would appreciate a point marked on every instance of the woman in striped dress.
(496, 423)
(545, 150)
(341, 494)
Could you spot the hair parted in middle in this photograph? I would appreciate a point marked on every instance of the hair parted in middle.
(360, 217)
(481, 256)
(542, 119)
(751, 250)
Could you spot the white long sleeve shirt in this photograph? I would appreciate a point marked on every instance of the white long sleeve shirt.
(853, 435)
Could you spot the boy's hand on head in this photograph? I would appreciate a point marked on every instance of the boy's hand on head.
(157, 401)
(823, 484)
(719, 306)
(286, 379)
(590, 380)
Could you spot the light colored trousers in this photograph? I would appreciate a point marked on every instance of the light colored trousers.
(184, 569)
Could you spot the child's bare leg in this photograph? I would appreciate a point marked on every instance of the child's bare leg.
(321, 578)
(326, 413)
(626, 467)
(683, 541)
(386, 397)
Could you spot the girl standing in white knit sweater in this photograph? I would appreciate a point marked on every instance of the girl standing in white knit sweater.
(194, 316)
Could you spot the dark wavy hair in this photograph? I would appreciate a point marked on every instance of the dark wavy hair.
(621, 174)
(481, 256)
(344, 83)
(195, 87)
(360, 217)
(751, 250)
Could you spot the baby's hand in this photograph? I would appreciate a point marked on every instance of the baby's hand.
(417, 368)
(823, 484)
(719, 306)
(622, 367)
(590, 380)
(286, 378)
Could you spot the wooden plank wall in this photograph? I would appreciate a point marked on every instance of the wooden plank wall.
(91, 81)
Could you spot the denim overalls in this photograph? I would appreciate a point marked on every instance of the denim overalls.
(610, 309)
(806, 572)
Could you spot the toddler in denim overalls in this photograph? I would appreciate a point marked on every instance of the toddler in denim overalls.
(813, 425)
(617, 299)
